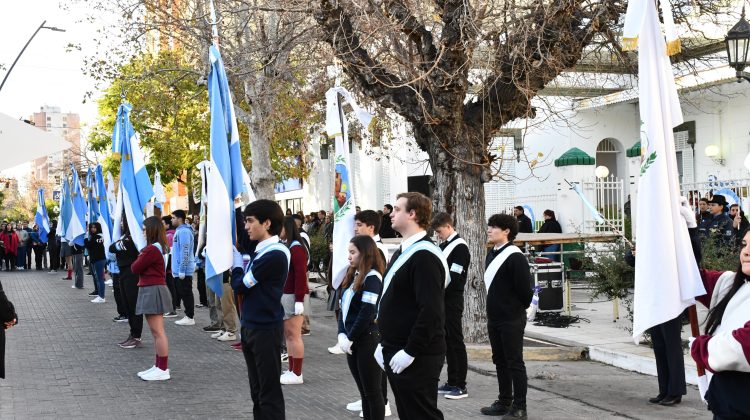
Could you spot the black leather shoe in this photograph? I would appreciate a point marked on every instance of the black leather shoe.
(515, 414)
(496, 409)
(657, 399)
(670, 401)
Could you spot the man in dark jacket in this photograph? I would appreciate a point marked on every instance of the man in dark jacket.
(508, 283)
(386, 230)
(524, 223)
(550, 225)
(720, 224)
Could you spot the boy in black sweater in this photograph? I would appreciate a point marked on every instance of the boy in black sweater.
(457, 255)
(508, 283)
(411, 314)
(260, 284)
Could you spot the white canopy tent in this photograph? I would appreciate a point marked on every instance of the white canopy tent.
(22, 142)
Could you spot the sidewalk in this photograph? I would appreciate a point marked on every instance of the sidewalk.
(609, 341)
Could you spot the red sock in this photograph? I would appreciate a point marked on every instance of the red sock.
(290, 359)
(297, 366)
(70, 274)
(161, 362)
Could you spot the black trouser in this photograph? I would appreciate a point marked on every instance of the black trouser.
(455, 355)
(38, 256)
(262, 353)
(200, 276)
(173, 291)
(670, 365)
(121, 310)
(185, 290)
(10, 261)
(506, 339)
(129, 290)
(54, 257)
(415, 389)
(27, 264)
(368, 375)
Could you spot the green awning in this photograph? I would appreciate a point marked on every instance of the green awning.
(634, 151)
(574, 156)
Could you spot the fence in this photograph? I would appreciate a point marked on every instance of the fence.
(733, 190)
(609, 199)
(534, 206)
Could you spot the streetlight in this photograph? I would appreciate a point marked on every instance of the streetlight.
(51, 28)
(737, 42)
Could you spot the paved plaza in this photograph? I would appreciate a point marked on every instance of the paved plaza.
(62, 362)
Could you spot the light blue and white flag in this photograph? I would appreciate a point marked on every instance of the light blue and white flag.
(135, 185)
(105, 218)
(344, 208)
(225, 180)
(92, 204)
(597, 216)
(76, 230)
(66, 209)
(111, 196)
(41, 219)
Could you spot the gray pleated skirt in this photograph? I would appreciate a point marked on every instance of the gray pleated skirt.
(153, 300)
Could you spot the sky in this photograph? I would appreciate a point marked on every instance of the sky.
(46, 73)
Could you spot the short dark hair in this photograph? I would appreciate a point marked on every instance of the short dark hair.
(504, 221)
(167, 220)
(390, 207)
(550, 213)
(520, 208)
(421, 205)
(370, 218)
(298, 217)
(441, 219)
(705, 200)
(734, 205)
(180, 214)
(266, 210)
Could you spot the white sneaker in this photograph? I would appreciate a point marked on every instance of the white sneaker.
(388, 409)
(156, 375)
(227, 336)
(289, 378)
(108, 282)
(355, 406)
(185, 321)
(143, 372)
(218, 334)
(98, 300)
(336, 350)
(72, 286)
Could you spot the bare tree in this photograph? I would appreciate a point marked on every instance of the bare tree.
(460, 70)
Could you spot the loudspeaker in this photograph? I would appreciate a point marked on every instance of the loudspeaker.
(419, 184)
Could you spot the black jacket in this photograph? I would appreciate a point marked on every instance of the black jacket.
(125, 251)
(524, 224)
(510, 292)
(386, 230)
(7, 314)
(458, 264)
(95, 246)
(550, 226)
(412, 310)
(361, 314)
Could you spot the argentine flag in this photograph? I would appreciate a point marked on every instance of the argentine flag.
(225, 180)
(66, 209)
(41, 219)
(105, 219)
(75, 231)
(92, 201)
(135, 186)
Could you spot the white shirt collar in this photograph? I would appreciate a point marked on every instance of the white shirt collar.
(266, 243)
(497, 247)
(412, 239)
(453, 235)
(376, 238)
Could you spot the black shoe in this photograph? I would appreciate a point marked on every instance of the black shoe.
(94, 293)
(670, 401)
(211, 329)
(496, 409)
(120, 318)
(657, 399)
(515, 414)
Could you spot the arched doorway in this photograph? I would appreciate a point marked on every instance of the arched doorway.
(608, 153)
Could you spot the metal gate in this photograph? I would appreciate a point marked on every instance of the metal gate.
(608, 196)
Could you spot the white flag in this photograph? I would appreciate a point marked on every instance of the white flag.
(343, 192)
(666, 274)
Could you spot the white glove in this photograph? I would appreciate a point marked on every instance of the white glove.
(299, 308)
(687, 213)
(400, 361)
(379, 356)
(236, 258)
(345, 344)
(181, 276)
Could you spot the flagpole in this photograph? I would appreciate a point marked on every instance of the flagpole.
(608, 223)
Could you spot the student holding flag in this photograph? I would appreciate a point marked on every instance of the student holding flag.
(411, 314)
(40, 236)
(508, 283)
(260, 282)
(95, 246)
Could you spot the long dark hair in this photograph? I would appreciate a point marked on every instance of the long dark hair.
(713, 320)
(155, 233)
(369, 259)
(98, 227)
(291, 232)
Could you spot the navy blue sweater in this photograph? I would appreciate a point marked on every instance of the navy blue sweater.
(261, 304)
(362, 304)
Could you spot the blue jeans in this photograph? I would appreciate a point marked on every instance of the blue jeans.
(97, 268)
(552, 248)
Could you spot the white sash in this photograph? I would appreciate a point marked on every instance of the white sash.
(401, 260)
(346, 297)
(451, 246)
(489, 273)
(273, 247)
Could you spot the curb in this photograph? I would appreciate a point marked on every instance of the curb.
(634, 362)
(536, 354)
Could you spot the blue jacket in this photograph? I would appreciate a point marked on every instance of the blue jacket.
(183, 260)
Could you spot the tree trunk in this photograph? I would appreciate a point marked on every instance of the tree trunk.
(261, 173)
(458, 189)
